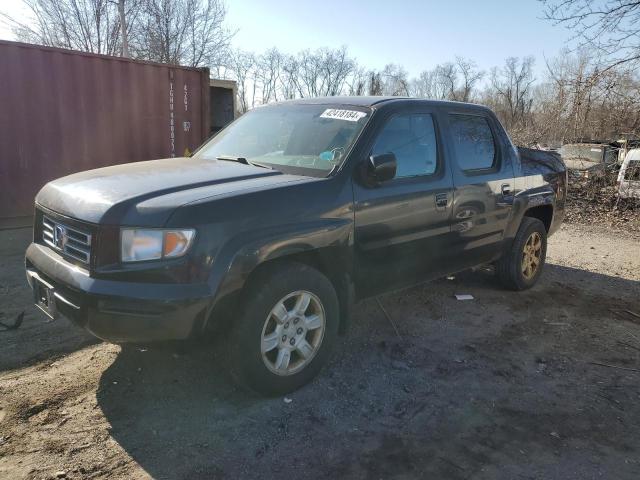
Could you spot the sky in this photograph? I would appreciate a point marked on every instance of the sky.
(415, 34)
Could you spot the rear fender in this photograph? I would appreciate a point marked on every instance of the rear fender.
(525, 201)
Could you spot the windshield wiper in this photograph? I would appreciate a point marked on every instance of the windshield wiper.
(258, 164)
(231, 158)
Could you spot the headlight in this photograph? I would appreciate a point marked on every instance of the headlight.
(138, 244)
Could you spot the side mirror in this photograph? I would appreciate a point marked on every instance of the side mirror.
(382, 167)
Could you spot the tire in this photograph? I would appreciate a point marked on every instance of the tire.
(510, 268)
(263, 325)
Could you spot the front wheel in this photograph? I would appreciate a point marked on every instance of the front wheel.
(287, 327)
(521, 265)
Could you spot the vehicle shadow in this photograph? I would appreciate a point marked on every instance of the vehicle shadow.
(386, 405)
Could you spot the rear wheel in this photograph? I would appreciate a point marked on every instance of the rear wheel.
(286, 330)
(521, 266)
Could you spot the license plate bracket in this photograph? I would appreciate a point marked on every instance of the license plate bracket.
(45, 298)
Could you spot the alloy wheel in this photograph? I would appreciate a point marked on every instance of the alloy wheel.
(532, 255)
(292, 333)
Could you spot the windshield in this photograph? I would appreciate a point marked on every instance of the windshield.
(307, 139)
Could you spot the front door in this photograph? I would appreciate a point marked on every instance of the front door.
(402, 225)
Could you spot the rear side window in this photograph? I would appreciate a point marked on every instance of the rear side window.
(473, 142)
(412, 138)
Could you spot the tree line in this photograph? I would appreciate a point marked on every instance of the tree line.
(572, 99)
(590, 91)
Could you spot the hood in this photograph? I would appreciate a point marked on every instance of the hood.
(146, 193)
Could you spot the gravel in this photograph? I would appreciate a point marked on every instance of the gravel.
(509, 385)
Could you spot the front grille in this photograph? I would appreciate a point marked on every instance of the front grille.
(66, 240)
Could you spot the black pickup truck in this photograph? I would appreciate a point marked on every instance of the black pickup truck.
(279, 224)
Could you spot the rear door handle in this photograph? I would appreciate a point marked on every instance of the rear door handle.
(442, 201)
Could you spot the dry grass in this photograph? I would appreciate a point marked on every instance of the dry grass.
(595, 200)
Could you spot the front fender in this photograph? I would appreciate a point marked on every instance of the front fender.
(331, 239)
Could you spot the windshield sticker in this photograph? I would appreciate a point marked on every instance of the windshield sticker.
(348, 115)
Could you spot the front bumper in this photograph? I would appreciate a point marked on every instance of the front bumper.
(119, 311)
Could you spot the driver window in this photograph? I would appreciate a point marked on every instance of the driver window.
(412, 138)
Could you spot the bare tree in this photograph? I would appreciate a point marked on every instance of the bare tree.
(185, 32)
(86, 25)
(243, 65)
(375, 83)
(611, 27)
(322, 72)
(422, 86)
(273, 76)
(512, 85)
(448, 81)
(336, 68)
(268, 70)
(289, 78)
(124, 35)
(581, 100)
(357, 81)
(395, 80)
(445, 81)
(471, 75)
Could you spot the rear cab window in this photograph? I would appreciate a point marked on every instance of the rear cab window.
(473, 142)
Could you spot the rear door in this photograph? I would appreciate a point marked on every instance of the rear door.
(402, 226)
(483, 180)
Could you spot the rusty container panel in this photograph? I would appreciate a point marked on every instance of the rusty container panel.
(66, 111)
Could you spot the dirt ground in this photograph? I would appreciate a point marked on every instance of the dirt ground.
(508, 385)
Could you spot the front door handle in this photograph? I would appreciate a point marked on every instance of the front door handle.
(506, 190)
(442, 201)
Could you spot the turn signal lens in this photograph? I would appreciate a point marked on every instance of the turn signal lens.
(176, 242)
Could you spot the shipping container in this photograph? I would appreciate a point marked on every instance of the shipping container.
(222, 96)
(65, 111)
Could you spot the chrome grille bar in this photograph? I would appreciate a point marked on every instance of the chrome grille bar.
(67, 240)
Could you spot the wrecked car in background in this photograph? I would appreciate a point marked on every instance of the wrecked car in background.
(629, 175)
(588, 159)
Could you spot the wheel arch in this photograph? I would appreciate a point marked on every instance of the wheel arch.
(326, 261)
(544, 213)
(326, 250)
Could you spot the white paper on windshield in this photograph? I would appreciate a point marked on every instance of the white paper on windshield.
(348, 115)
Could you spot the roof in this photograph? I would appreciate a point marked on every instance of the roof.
(358, 101)
(370, 101)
